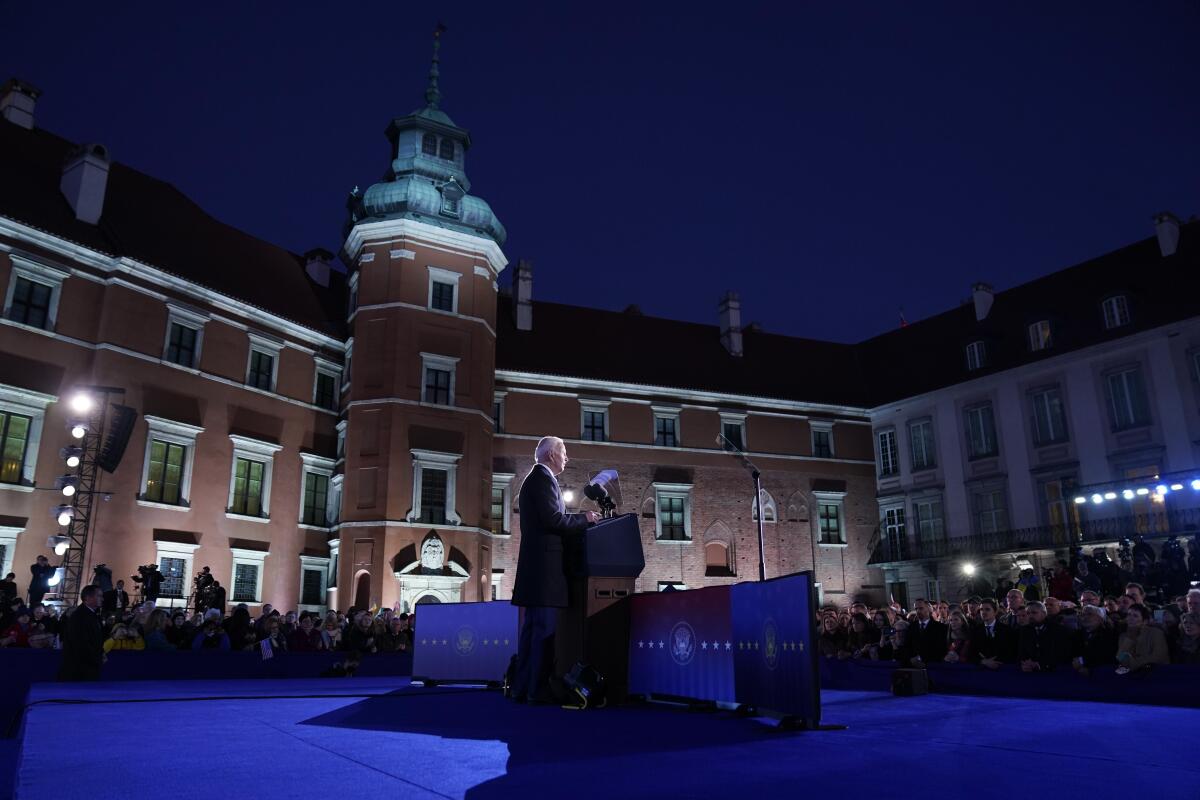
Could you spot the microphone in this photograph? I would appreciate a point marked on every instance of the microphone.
(594, 491)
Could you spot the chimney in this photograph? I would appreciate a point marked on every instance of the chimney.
(84, 181)
(522, 296)
(983, 295)
(730, 309)
(316, 264)
(17, 100)
(1166, 225)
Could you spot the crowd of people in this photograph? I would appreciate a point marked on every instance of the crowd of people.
(1089, 631)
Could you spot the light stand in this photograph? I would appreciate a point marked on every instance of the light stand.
(757, 476)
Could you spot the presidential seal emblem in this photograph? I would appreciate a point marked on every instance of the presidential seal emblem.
(464, 640)
(771, 639)
(683, 643)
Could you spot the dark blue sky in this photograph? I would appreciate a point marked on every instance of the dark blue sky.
(830, 161)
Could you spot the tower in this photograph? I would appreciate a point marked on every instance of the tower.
(424, 256)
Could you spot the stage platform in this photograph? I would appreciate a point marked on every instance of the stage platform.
(382, 737)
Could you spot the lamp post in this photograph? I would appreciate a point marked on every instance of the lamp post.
(758, 505)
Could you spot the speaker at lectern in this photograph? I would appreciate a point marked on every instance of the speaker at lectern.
(602, 569)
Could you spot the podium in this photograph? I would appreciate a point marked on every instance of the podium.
(602, 568)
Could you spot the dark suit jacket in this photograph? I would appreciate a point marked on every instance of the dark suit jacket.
(1002, 645)
(114, 599)
(83, 646)
(541, 578)
(1098, 649)
(930, 643)
(1048, 645)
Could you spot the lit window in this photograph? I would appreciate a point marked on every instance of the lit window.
(164, 482)
(1039, 335)
(1116, 311)
(250, 481)
(976, 356)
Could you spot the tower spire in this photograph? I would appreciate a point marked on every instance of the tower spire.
(432, 94)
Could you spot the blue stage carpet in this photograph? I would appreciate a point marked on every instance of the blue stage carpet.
(384, 738)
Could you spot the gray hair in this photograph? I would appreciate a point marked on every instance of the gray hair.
(1036, 605)
(545, 447)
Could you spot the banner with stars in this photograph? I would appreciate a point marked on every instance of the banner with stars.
(774, 660)
(681, 644)
(465, 641)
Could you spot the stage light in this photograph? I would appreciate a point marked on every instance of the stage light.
(1110, 495)
(82, 403)
(68, 484)
(1097, 499)
(59, 544)
(1142, 492)
(1161, 489)
(64, 514)
(968, 569)
(72, 455)
(568, 496)
(1080, 500)
(1176, 487)
(1127, 494)
(79, 429)
(56, 578)
(1196, 484)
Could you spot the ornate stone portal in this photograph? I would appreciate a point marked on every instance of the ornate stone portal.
(433, 576)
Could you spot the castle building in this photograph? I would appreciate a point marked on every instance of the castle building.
(323, 439)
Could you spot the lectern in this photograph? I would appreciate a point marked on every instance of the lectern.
(602, 568)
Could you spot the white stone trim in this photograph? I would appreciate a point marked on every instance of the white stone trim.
(439, 362)
(321, 564)
(335, 548)
(403, 253)
(8, 539)
(177, 550)
(252, 450)
(453, 241)
(439, 275)
(265, 346)
(499, 402)
(346, 364)
(333, 507)
(673, 490)
(187, 318)
(43, 274)
(503, 481)
(316, 465)
(429, 459)
(596, 407)
(16, 400)
(179, 433)
(242, 556)
(830, 498)
(768, 504)
(637, 446)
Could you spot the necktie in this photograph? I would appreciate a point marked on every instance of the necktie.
(991, 632)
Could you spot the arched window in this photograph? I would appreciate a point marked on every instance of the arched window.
(429, 144)
(447, 149)
(768, 504)
(716, 560)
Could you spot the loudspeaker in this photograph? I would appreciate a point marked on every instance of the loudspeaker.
(119, 431)
(910, 682)
(586, 686)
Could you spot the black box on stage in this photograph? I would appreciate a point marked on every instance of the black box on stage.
(910, 682)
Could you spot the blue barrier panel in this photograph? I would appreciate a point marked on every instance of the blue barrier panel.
(774, 658)
(1164, 685)
(681, 644)
(466, 641)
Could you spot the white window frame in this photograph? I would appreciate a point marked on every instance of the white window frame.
(172, 432)
(325, 367)
(8, 540)
(177, 550)
(321, 564)
(1122, 373)
(931, 501)
(503, 481)
(976, 355)
(1115, 310)
(333, 508)
(15, 400)
(431, 459)
(975, 408)
(1040, 336)
(341, 439)
(768, 503)
(497, 585)
(446, 363)
(442, 276)
(673, 490)
(821, 426)
(595, 407)
(498, 399)
(931, 457)
(243, 556)
(186, 318)
(887, 525)
(269, 347)
(37, 273)
(352, 295)
(1037, 398)
(884, 454)
(977, 515)
(346, 365)
(665, 412)
(830, 498)
(317, 465)
(253, 450)
(335, 548)
(731, 418)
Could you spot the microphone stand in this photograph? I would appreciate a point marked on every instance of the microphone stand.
(757, 476)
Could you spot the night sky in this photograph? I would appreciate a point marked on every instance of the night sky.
(833, 162)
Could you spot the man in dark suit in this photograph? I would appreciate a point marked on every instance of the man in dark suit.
(541, 583)
(992, 642)
(83, 640)
(928, 636)
(39, 582)
(1041, 646)
(116, 599)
